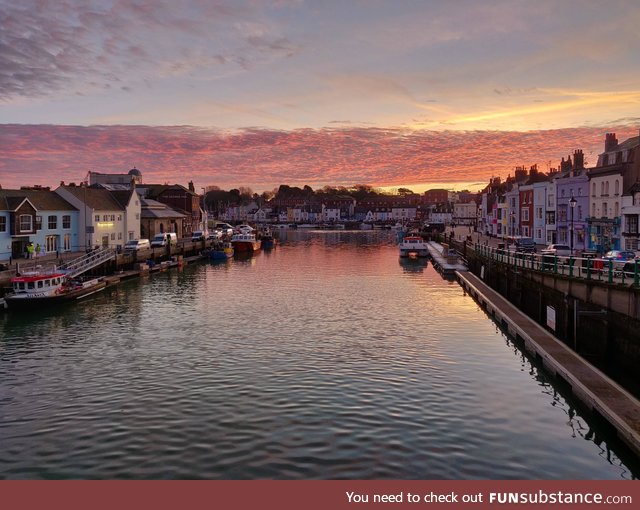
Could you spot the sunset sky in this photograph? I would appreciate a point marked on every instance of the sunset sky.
(389, 93)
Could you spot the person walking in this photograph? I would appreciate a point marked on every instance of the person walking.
(30, 250)
(38, 250)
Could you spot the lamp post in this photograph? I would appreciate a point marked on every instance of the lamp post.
(572, 204)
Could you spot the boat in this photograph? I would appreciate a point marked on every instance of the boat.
(413, 246)
(221, 251)
(267, 240)
(46, 287)
(245, 243)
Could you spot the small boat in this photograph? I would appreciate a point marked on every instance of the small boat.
(221, 251)
(46, 287)
(413, 246)
(267, 240)
(245, 243)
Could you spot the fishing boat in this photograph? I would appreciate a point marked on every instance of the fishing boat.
(221, 251)
(46, 287)
(245, 243)
(413, 246)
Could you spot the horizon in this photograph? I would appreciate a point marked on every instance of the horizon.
(252, 94)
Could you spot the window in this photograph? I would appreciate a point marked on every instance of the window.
(38, 222)
(579, 192)
(632, 224)
(26, 224)
(105, 217)
(593, 209)
(97, 218)
(113, 236)
(137, 216)
(3, 223)
(66, 221)
(119, 217)
(594, 190)
(119, 236)
(67, 242)
(53, 222)
(604, 209)
(606, 188)
(602, 188)
(617, 187)
(525, 214)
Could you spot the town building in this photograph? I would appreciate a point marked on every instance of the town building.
(38, 216)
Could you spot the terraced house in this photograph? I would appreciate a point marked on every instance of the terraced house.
(39, 216)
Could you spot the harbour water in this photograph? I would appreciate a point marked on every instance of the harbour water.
(327, 357)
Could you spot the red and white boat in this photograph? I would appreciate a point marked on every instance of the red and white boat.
(38, 287)
(245, 243)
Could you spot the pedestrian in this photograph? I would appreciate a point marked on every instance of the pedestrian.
(37, 250)
(30, 250)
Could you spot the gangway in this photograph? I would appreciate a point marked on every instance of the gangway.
(86, 262)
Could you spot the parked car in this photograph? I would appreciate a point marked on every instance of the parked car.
(214, 235)
(558, 250)
(225, 228)
(245, 229)
(619, 255)
(521, 244)
(199, 235)
(137, 244)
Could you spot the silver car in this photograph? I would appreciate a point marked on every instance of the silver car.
(557, 250)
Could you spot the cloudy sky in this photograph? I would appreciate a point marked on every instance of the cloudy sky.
(259, 93)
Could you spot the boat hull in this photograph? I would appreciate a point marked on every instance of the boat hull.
(29, 303)
(245, 246)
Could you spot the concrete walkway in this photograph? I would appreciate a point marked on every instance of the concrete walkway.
(595, 390)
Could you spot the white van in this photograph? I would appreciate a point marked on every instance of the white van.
(137, 244)
(160, 240)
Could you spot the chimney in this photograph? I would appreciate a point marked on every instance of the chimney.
(192, 188)
(578, 159)
(610, 142)
(61, 183)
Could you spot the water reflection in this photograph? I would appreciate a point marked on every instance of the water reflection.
(326, 358)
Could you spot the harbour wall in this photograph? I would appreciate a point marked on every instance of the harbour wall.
(598, 320)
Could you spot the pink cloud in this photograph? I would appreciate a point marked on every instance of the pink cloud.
(265, 158)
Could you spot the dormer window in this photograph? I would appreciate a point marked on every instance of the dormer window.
(26, 223)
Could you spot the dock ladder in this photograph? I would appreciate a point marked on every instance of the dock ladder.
(86, 262)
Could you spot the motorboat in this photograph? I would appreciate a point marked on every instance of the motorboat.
(413, 246)
(245, 243)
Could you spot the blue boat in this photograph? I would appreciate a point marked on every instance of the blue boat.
(221, 251)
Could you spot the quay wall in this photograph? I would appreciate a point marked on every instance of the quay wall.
(599, 320)
(122, 261)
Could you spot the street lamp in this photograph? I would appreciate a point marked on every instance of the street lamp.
(572, 204)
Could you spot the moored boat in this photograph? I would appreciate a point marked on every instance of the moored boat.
(413, 246)
(38, 287)
(221, 251)
(245, 243)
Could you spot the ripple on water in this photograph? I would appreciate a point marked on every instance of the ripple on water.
(326, 358)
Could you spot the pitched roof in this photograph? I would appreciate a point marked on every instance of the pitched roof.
(155, 209)
(42, 200)
(96, 198)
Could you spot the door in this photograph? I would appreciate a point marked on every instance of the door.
(105, 241)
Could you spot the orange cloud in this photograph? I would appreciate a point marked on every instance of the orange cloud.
(265, 158)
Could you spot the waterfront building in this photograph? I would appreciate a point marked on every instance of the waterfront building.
(512, 199)
(539, 233)
(106, 218)
(179, 198)
(39, 216)
(435, 196)
(616, 173)
(572, 182)
(550, 209)
(465, 213)
(403, 213)
(631, 218)
(525, 192)
(158, 218)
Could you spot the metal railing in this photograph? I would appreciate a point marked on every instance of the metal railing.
(86, 262)
(586, 268)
